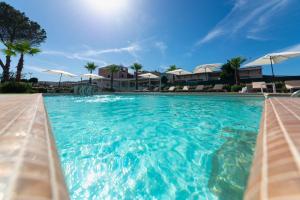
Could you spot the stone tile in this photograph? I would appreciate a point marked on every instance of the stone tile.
(29, 164)
(280, 179)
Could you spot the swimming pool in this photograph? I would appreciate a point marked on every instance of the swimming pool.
(155, 146)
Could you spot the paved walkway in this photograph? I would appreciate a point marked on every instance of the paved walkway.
(29, 165)
(275, 172)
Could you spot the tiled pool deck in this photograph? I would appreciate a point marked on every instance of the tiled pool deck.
(275, 172)
(29, 164)
(30, 168)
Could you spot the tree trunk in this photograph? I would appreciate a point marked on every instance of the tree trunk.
(112, 81)
(90, 78)
(6, 68)
(236, 76)
(136, 80)
(20, 68)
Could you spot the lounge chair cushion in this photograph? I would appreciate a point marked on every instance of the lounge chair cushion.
(172, 88)
(295, 84)
(218, 87)
(259, 85)
(199, 87)
(185, 88)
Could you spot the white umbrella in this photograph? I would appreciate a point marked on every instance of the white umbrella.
(60, 72)
(179, 72)
(92, 76)
(149, 76)
(273, 58)
(207, 68)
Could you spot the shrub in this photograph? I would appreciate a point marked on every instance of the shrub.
(33, 80)
(40, 90)
(108, 90)
(15, 87)
(227, 88)
(236, 88)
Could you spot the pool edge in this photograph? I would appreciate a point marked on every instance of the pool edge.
(275, 170)
(30, 167)
(280, 125)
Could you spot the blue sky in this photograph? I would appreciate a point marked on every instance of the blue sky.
(158, 33)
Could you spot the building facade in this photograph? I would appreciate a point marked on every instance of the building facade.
(245, 73)
(121, 74)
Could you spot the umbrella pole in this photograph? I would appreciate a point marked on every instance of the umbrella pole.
(59, 80)
(206, 74)
(149, 83)
(273, 77)
(159, 83)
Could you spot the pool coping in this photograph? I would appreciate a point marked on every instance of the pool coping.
(275, 171)
(30, 166)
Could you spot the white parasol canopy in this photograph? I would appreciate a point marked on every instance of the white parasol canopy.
(205, 68)
(273, 58)
(149, 76)
(60, 72)
(92, 76)
(179, 72)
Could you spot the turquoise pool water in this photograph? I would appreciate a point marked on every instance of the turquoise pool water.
(155, 146)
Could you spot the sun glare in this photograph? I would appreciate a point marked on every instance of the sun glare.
(107, 7)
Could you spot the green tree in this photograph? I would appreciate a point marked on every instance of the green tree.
(23, 48)
(14, 27)
(113, 69)
(136, 67)
(90, 66)
(8, 52)
(164, 80)
(235, 64)
(172, 68)
(227, 73)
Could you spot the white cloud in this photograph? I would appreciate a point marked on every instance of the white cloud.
(162, 47)
(248, 17)
(91, 54)
(211, 35)
(295, 47)
(131, 49)
(35, 68)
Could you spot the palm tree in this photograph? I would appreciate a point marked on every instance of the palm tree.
(23, 48)
(90, 66)
(136, 67)
(113, 69)
(172, 68)
(8, 52)
(235, 64)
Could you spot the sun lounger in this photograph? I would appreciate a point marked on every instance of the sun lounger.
(292, 85)
(218, 87)
(244, 90)
(296, 94)
(259, 85)
(185, 88)
(156, 89)
(199, 88)
(171, 89)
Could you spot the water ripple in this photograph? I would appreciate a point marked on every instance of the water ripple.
(155, 147)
